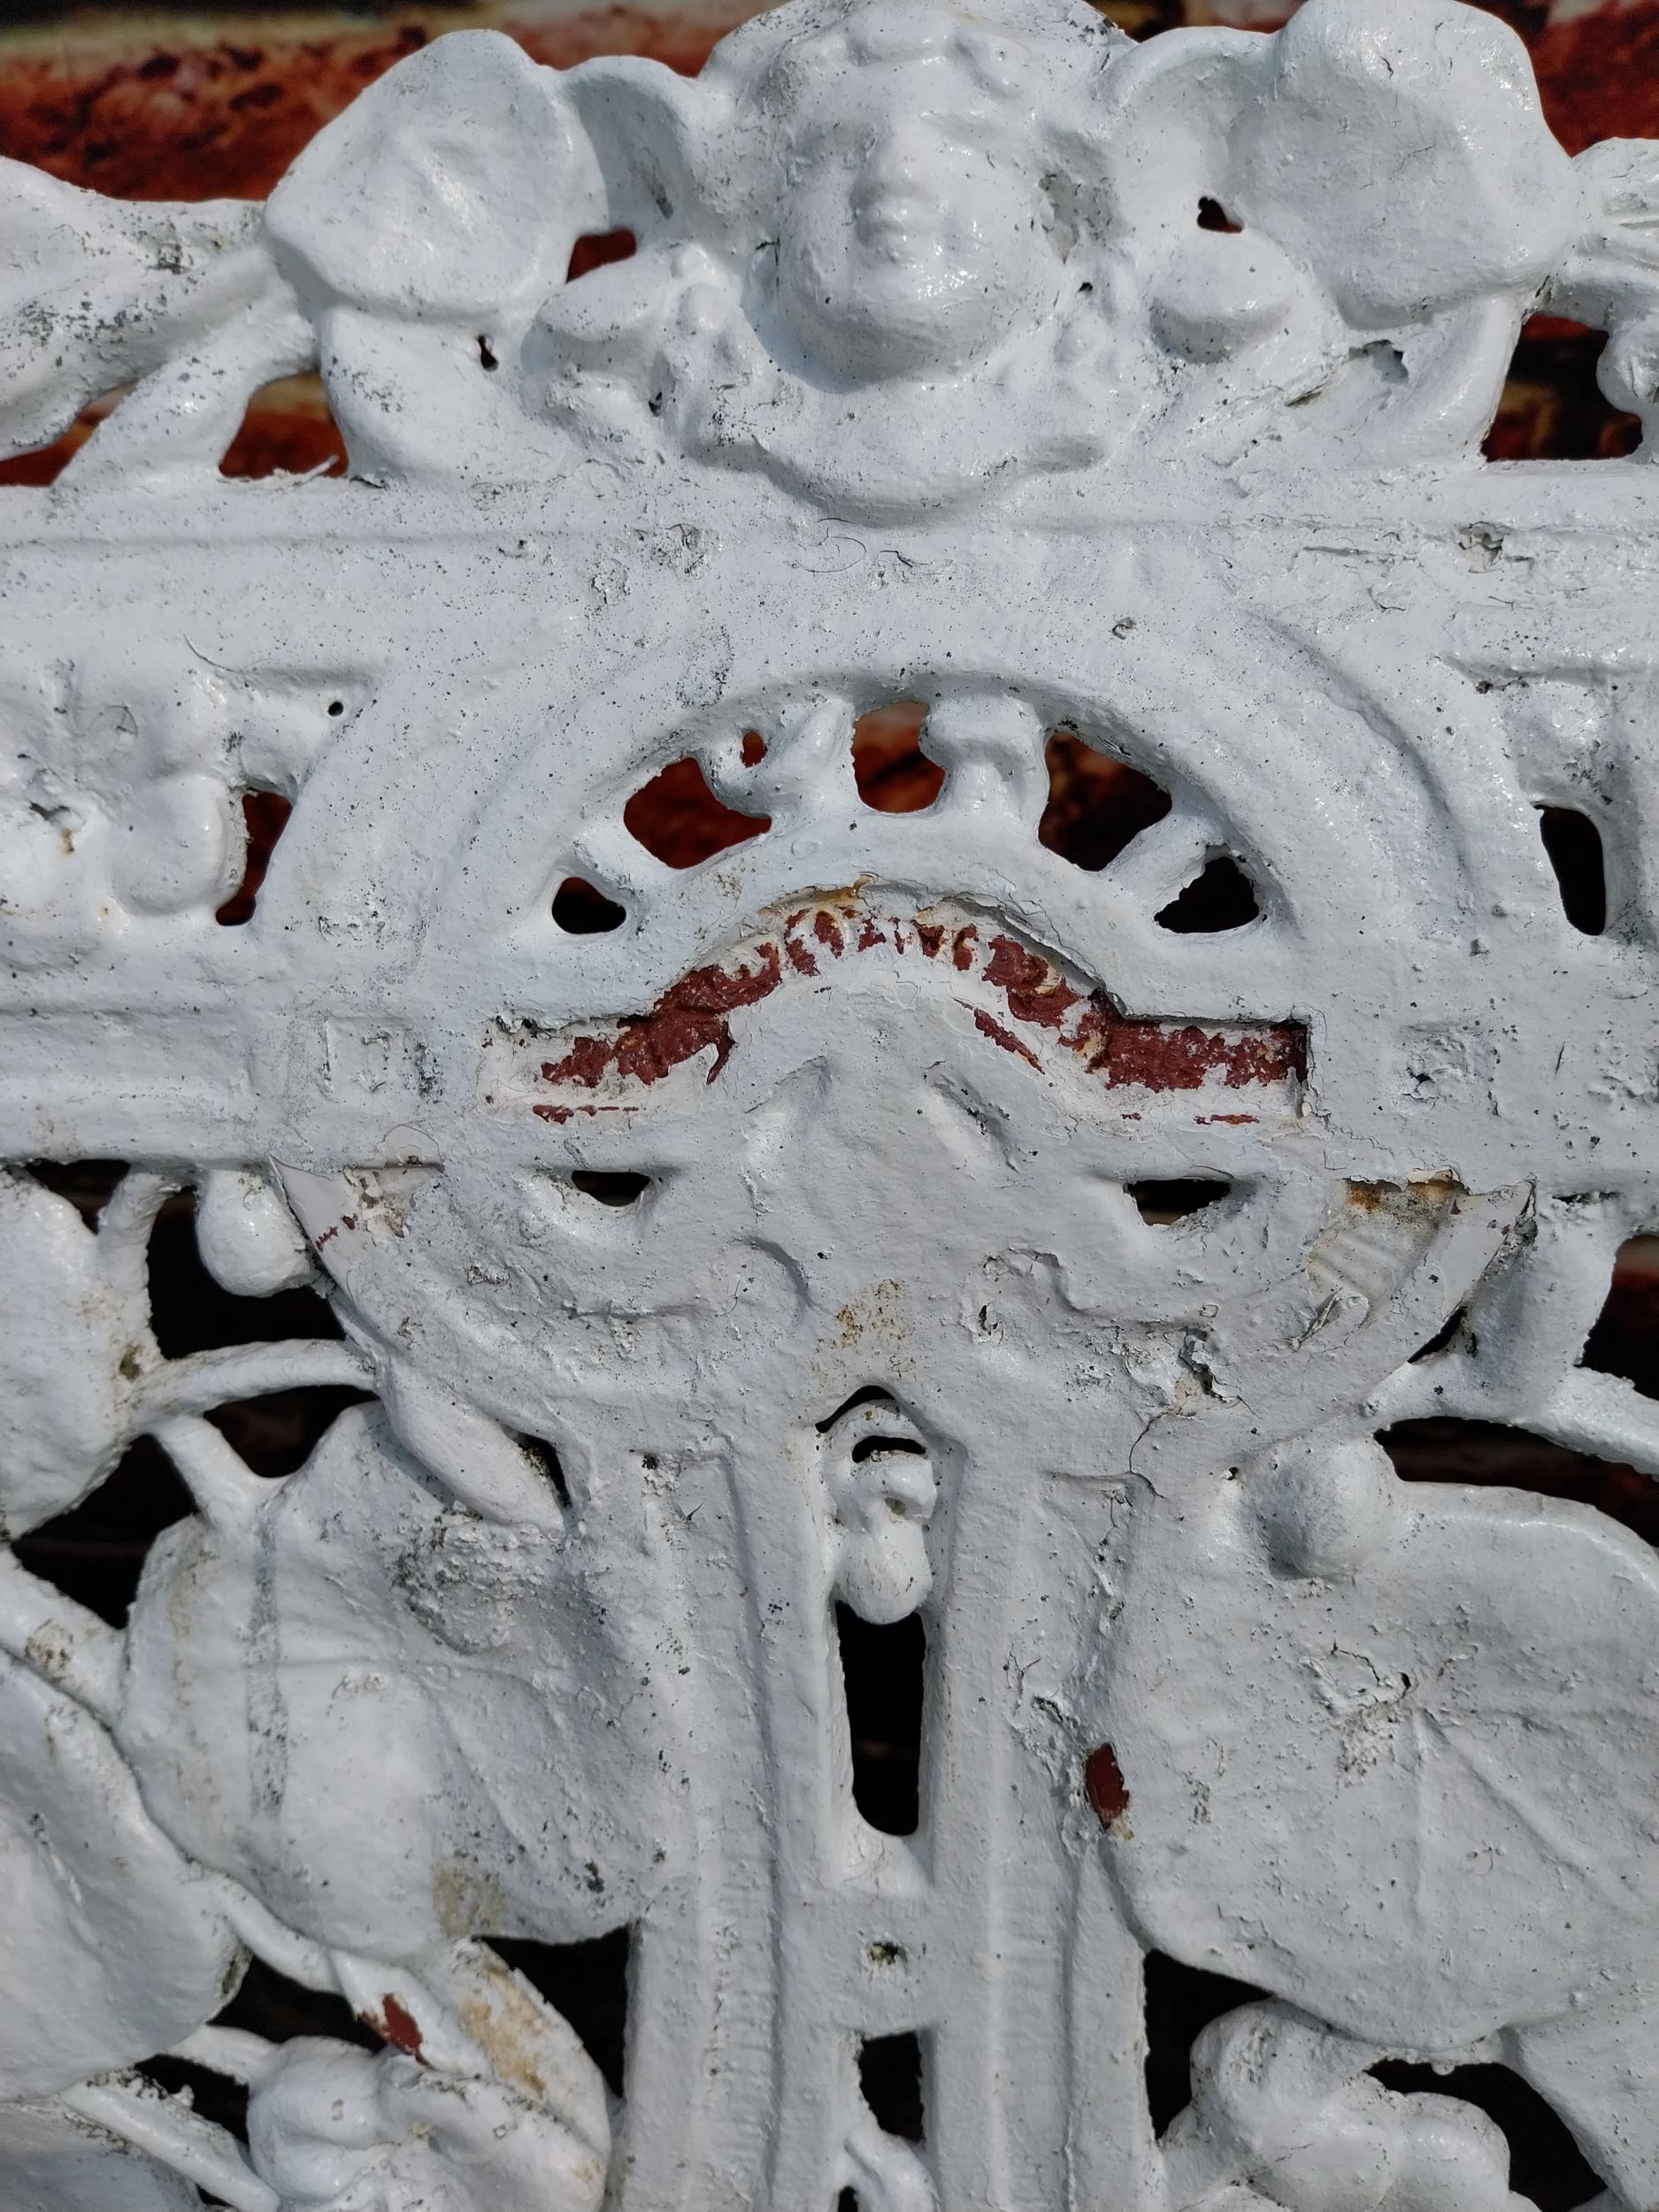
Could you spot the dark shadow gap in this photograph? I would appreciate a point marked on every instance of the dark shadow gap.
(1442, 1337)
(611, 1186)
(277, 1434)
(1487, 1455)
(189, 1312)
(581, 910)
(547, 1459)
(1625, 1339)
(288, 429)
(884, 1671)
(1544, 2163)
(95, 1552)
(871, 1395)
(890, 2076)
(586, 1984)
(893, 773)
(1221, 898)
(1213, 216)
(679, 820)
(268, 2004)
(1180, 2003)
(86, 1183)
(1096, 805)
(1573, 844)
(1552, 408)
(215, 2096)
(1162, 1202)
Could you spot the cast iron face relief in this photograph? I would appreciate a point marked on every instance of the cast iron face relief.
(895, 1232)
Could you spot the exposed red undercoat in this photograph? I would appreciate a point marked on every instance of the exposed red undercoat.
(693, 1016)
(1005, 1038)
(398, 2027)
(1104, 1785)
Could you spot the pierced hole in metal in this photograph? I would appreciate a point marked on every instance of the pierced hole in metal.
(1484, 1452)
(611, 1186)
(753, 749)
(1552, 408)
(883, 1672)
(44, 464)
(1221, 898)
(95, 1552)
(264, 815)
(893, 773)
(849, 2201)
(1180, 2003)
(288, 429)
(1625, 1339)
(597, 249)
(86, 1183)
(276, 1434)
(588, 1984)
(215, 2096)
(1096, 805)
(188, 1311)
(336, 706)
(1544, 2163)
(1213, 216)
(869, 1394)
(867, 1447)
(1573, 844)
(1162, 1202)
(1442, 1336)
(547, 1459)
(890, 2075)
(581, 910)
(679, 820)
(269, 2004)
(487, 357)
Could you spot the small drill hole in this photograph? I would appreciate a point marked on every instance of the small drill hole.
(1221, 898)
(753, 748)
(1162, 1202)
(336, 706)
(1213, 216)
(893, 773)
(1573, 844)
(487, 354)
(679, 820)
(581, 910)
(611, 1186)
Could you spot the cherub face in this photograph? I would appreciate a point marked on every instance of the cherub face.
(915, 235)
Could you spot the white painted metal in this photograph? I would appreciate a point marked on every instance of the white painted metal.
(924, 383)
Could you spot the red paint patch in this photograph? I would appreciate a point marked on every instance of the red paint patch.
(1156, 1057)
(1034, 991)
(689, 1017)
(1006, 1038)
(930, 935)
(827, 930)
(1104, 1787)
(964, 947)
(399, 2027)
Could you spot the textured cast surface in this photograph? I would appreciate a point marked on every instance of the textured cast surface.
(977, 1228)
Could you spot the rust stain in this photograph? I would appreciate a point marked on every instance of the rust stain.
(1005, 1038)
(1104, 1787)
(693, 1016)
(399, 2026)
(690, 1016)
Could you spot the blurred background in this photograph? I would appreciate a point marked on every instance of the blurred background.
(187, 101)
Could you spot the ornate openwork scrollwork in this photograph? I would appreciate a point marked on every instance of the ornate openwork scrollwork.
(892, 1248)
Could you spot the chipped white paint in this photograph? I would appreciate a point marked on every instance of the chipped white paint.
(925, 382)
